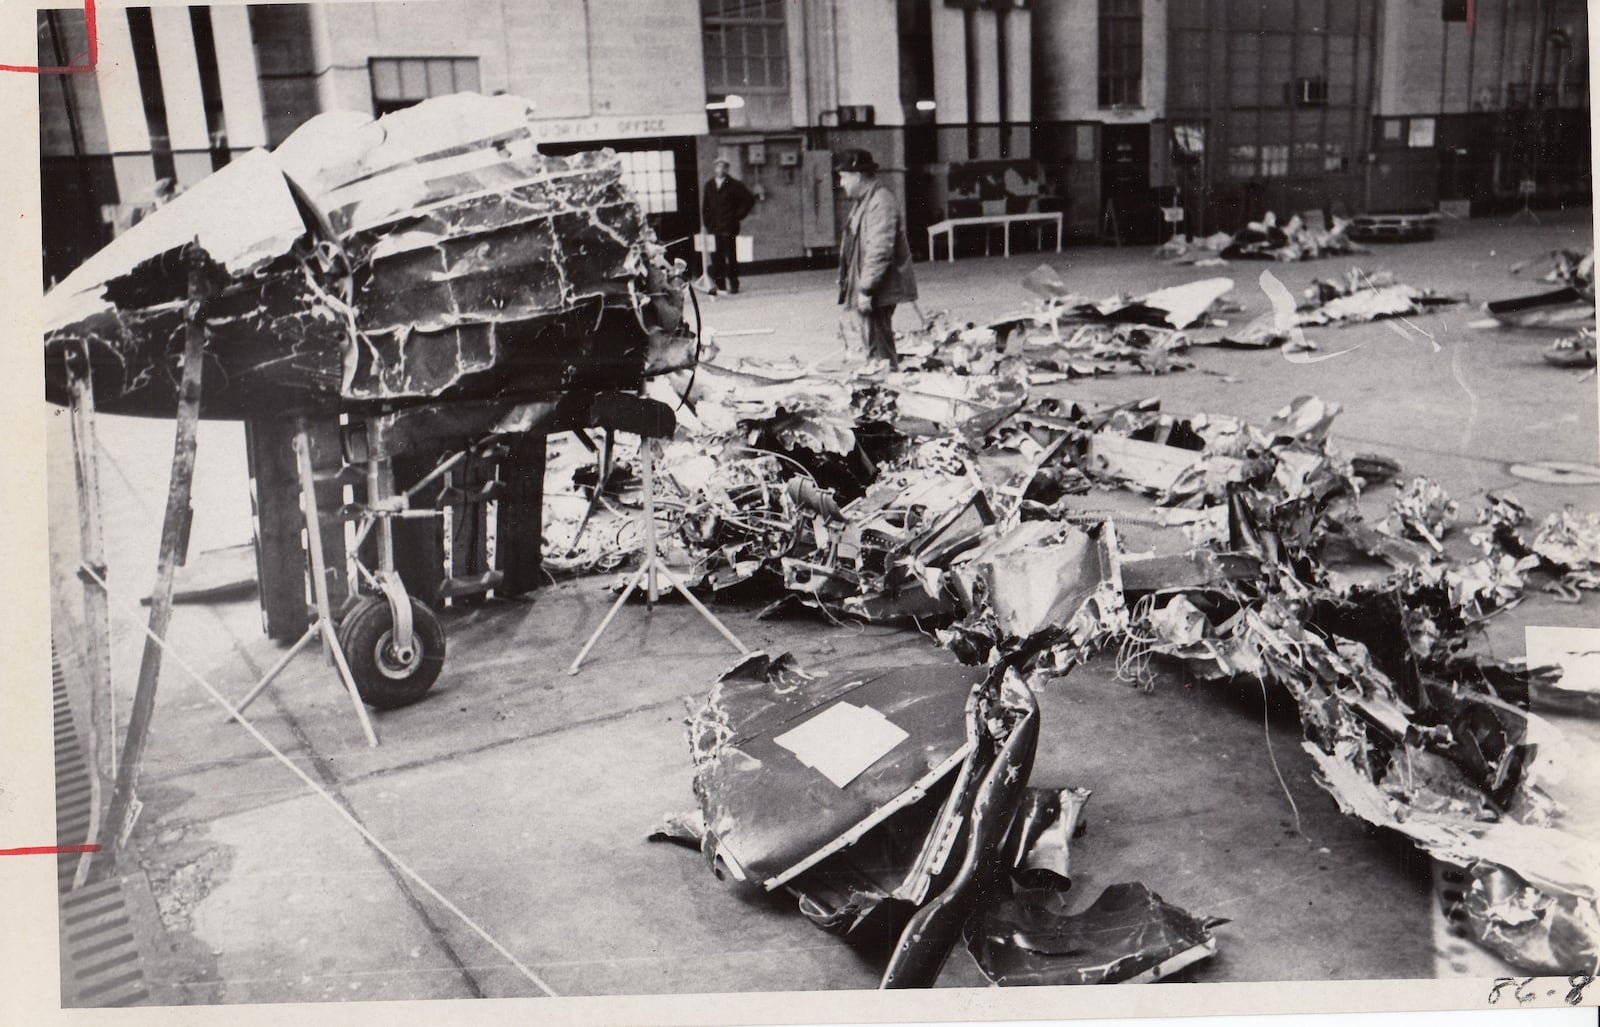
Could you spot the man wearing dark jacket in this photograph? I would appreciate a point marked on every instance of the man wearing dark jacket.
(727, 202)
(874, 256)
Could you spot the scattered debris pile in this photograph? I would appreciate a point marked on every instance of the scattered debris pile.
(1570, 305)
(1296, 239)
(1572, 268)
(1199, 251)
(1360, 296)
(1575, 350)
(1069, 336)
(963, 503)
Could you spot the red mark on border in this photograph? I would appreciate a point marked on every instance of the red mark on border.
(91, 57)
(48, 850)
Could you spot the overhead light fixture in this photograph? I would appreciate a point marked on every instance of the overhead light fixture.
(926, 105)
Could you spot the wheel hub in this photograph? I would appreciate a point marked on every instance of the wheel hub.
(393, 662)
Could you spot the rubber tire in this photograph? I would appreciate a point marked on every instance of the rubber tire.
(382, 684)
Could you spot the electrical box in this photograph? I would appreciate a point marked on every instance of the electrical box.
(789, 159)
(857, 114)
(756, 153)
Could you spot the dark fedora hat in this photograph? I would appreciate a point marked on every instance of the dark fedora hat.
(855, 160)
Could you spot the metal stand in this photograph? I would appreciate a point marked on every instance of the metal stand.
(704, 282)
(322, 626)
(650, 568)
(1527, 188)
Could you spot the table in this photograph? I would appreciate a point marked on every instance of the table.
(948, 227)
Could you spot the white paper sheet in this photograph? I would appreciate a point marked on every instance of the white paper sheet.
(842, 741)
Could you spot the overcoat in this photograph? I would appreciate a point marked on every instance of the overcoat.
(724, 208)
(874, 254)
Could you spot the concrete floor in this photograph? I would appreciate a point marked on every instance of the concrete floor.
(524, 795)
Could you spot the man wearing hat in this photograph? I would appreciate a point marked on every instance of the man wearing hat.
(874, 255)
(727, 202)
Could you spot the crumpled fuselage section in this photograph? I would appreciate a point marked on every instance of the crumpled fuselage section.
(478, 270)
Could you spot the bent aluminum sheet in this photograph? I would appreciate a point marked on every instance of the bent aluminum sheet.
(433, 254)
(1127, 933)
(1037, 576)
(768, 814)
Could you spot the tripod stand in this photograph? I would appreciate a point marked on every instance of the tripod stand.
(651, 567)
(1526, 188)
(322, 627)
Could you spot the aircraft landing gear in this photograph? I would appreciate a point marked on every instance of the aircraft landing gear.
(389, 675)
(394, 644)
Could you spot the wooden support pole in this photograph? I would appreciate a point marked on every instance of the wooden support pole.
(173, 537)
(102, 725)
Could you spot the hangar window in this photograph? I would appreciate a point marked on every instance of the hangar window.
(1121, 53)
(400, 82)
(652, 177)
(746, 48)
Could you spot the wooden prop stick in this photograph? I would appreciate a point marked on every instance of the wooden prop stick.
(96, 615)
(173, 538)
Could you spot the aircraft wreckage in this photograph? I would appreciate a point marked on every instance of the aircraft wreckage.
(432, 277)
(957, 499)
(435, 260)
(433, 255)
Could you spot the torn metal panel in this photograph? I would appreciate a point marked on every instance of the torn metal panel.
(1197, 569)
(1529, 928)
(1185, 305)
(863, 849)
(1306, 420)
(743, 776)
(932, 405)
(1569, 540)
(1399, 553)
(1127, 934)
(1158, 467)
(1007, 718)
(1038, 848)
(1536, 885)
(800, 410)
(926, 517)
(433, 255)
(1036, 579)
(1178, 306)
(1148, 465)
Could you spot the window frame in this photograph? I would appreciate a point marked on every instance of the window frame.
(1120, 54)
(431, 68)
(767, 28)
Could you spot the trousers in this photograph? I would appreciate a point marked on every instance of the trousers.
(876, 331)
(725, 263)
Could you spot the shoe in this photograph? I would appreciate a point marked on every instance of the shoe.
(734, 287)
